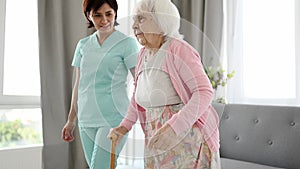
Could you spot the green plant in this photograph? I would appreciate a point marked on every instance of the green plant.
(14, 131)
(217, 76)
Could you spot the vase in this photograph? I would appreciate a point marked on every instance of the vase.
(219, 95)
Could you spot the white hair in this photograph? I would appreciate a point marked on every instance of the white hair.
(165, 14)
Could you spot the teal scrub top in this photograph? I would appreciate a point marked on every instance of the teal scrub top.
(102, 90)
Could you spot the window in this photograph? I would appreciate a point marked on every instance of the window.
(125, 12)
(20, 113)
(262, 43)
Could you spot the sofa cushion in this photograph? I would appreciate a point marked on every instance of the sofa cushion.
(268, 135)
(237, 164)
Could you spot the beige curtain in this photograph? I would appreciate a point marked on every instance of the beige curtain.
(202, 26)
(61, 25)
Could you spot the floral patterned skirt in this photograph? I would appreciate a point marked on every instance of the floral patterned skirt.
(191, 152)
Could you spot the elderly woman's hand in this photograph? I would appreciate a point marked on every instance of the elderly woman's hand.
(116, 134)
(164, 139)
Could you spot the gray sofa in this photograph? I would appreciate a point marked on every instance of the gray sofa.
(259, 137)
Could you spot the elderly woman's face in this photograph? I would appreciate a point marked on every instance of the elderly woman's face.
(145, 28)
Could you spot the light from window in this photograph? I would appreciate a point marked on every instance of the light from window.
(20, 127)
(21, 62)
(20, 117)
(269, 49)
(123, 9)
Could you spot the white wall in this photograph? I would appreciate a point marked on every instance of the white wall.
(21, 158)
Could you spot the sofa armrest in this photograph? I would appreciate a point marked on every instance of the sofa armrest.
(219, 107)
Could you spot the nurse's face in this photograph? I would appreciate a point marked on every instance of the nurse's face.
(103, 18)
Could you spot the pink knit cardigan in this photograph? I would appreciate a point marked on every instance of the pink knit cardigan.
(183, 64)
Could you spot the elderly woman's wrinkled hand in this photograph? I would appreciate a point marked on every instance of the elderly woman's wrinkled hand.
(164, 139)
(116, 134)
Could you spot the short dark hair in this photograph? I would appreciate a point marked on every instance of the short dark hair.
(89, 5)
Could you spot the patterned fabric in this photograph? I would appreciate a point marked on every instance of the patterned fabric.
(185, 69)
(191, 152)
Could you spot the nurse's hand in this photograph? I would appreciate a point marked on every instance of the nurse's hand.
(164, 139)
(67, 131)
(116, 134)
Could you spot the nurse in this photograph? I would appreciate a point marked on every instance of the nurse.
(102, 62)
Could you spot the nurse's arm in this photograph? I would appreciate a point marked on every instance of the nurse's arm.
(73, 109)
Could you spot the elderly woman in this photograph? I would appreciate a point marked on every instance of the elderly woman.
(172, 94)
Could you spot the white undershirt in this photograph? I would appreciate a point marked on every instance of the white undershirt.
(154, 86)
